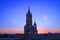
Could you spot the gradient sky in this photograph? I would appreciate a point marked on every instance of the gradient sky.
(46, 13)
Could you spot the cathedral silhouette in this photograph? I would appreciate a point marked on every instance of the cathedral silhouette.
(30, 31)
(29, 28)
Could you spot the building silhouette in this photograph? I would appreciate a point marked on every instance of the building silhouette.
(29, 28)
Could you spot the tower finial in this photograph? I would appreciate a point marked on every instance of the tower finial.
(28, 8)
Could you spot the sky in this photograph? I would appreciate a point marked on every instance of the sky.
(46, 13)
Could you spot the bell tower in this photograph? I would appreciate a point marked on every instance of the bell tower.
(29, 18)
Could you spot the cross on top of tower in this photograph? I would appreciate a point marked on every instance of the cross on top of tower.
(29, 9)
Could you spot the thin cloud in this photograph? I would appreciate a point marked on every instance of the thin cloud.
(44, 17)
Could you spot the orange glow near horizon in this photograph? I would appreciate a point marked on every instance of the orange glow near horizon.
(21, 31)
(13, 31)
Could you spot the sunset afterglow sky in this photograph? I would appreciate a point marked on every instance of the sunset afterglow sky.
(46, 13)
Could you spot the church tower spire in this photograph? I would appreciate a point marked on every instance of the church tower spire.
(29, 18)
